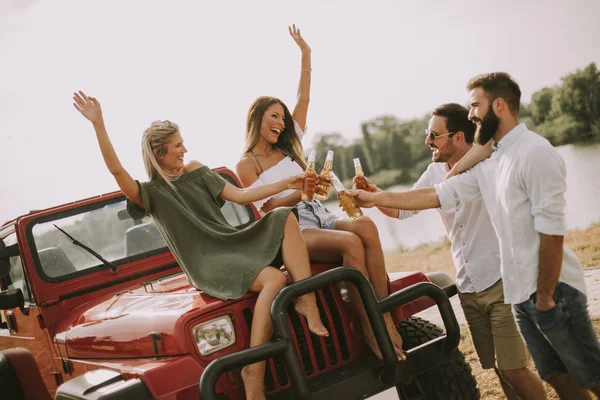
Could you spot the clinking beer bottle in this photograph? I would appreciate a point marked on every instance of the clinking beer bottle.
(322, 190)
(349, 203)
(360, 181)
(308, 192)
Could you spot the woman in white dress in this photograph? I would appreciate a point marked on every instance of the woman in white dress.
(274, 151)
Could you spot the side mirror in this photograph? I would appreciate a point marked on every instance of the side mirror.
(12, 298)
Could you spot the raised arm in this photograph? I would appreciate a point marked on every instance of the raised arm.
(90, 108)
(287, 201)
(476, 154)
(301, 109)
(250, 195)
(445, 195)
(415, 199)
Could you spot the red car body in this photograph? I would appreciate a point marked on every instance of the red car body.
(103, 320)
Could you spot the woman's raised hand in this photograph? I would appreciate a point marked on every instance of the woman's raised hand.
(89, 107)
(295, 34)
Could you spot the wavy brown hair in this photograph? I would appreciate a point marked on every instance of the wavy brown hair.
(288, 142)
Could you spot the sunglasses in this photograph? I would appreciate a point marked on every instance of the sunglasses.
(431, 135)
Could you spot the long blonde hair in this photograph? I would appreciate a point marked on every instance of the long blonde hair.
(156, 138)
(288, 142)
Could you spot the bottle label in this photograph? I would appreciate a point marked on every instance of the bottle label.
(337, 184)
(358, 168)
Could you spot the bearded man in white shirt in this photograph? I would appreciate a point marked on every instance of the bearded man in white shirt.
(522, 185)
(476, 257)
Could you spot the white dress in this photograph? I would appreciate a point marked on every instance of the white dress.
(311, 213)
(283, 169)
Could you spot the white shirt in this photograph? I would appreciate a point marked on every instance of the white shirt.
(283, 169)
(523, 186)
(475, 250)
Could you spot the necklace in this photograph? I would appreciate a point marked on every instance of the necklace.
(263, 154)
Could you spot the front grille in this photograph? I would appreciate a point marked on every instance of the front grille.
(316, 354)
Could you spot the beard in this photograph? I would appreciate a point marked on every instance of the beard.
(443, 154)
(487, 127)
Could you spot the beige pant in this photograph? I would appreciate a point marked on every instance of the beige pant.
(493, 329)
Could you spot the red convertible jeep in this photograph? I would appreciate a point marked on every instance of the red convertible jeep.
(107, 313)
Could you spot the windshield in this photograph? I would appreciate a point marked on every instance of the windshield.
(102, 230)
(110, 232)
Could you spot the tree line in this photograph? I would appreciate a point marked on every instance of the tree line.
(392, 151)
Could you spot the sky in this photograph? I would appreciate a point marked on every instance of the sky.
(201, 64)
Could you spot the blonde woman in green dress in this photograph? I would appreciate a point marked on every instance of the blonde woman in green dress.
(185, 202)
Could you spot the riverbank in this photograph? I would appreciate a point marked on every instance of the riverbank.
(437, 257)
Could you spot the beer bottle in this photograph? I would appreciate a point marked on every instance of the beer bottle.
(322, 190)
(308, 191)
(349, 203)
(360, 181)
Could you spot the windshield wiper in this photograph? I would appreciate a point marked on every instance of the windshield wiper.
(92, 252)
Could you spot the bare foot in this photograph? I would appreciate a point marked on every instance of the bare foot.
(313, 318)
(397, 342)
(370, 340)
(395, 336)
(254, 385)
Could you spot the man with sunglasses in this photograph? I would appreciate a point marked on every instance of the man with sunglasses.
(523, 186)
(476, 257)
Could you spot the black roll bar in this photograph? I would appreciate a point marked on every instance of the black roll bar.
(283, 344)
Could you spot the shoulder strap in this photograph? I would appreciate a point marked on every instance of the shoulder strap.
(286, 153)
(256, 159)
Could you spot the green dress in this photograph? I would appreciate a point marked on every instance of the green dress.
(217, 258)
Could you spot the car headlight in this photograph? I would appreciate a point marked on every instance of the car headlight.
(214, 335)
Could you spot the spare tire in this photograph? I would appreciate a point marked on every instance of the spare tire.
(453, 380)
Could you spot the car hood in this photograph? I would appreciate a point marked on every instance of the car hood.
(122, 326)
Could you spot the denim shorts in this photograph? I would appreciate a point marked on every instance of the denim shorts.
(314, 215)
(493, 329)
(562, 339)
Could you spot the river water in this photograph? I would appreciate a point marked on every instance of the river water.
(583, 203)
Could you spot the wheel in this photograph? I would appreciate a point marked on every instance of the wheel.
(453, 380)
